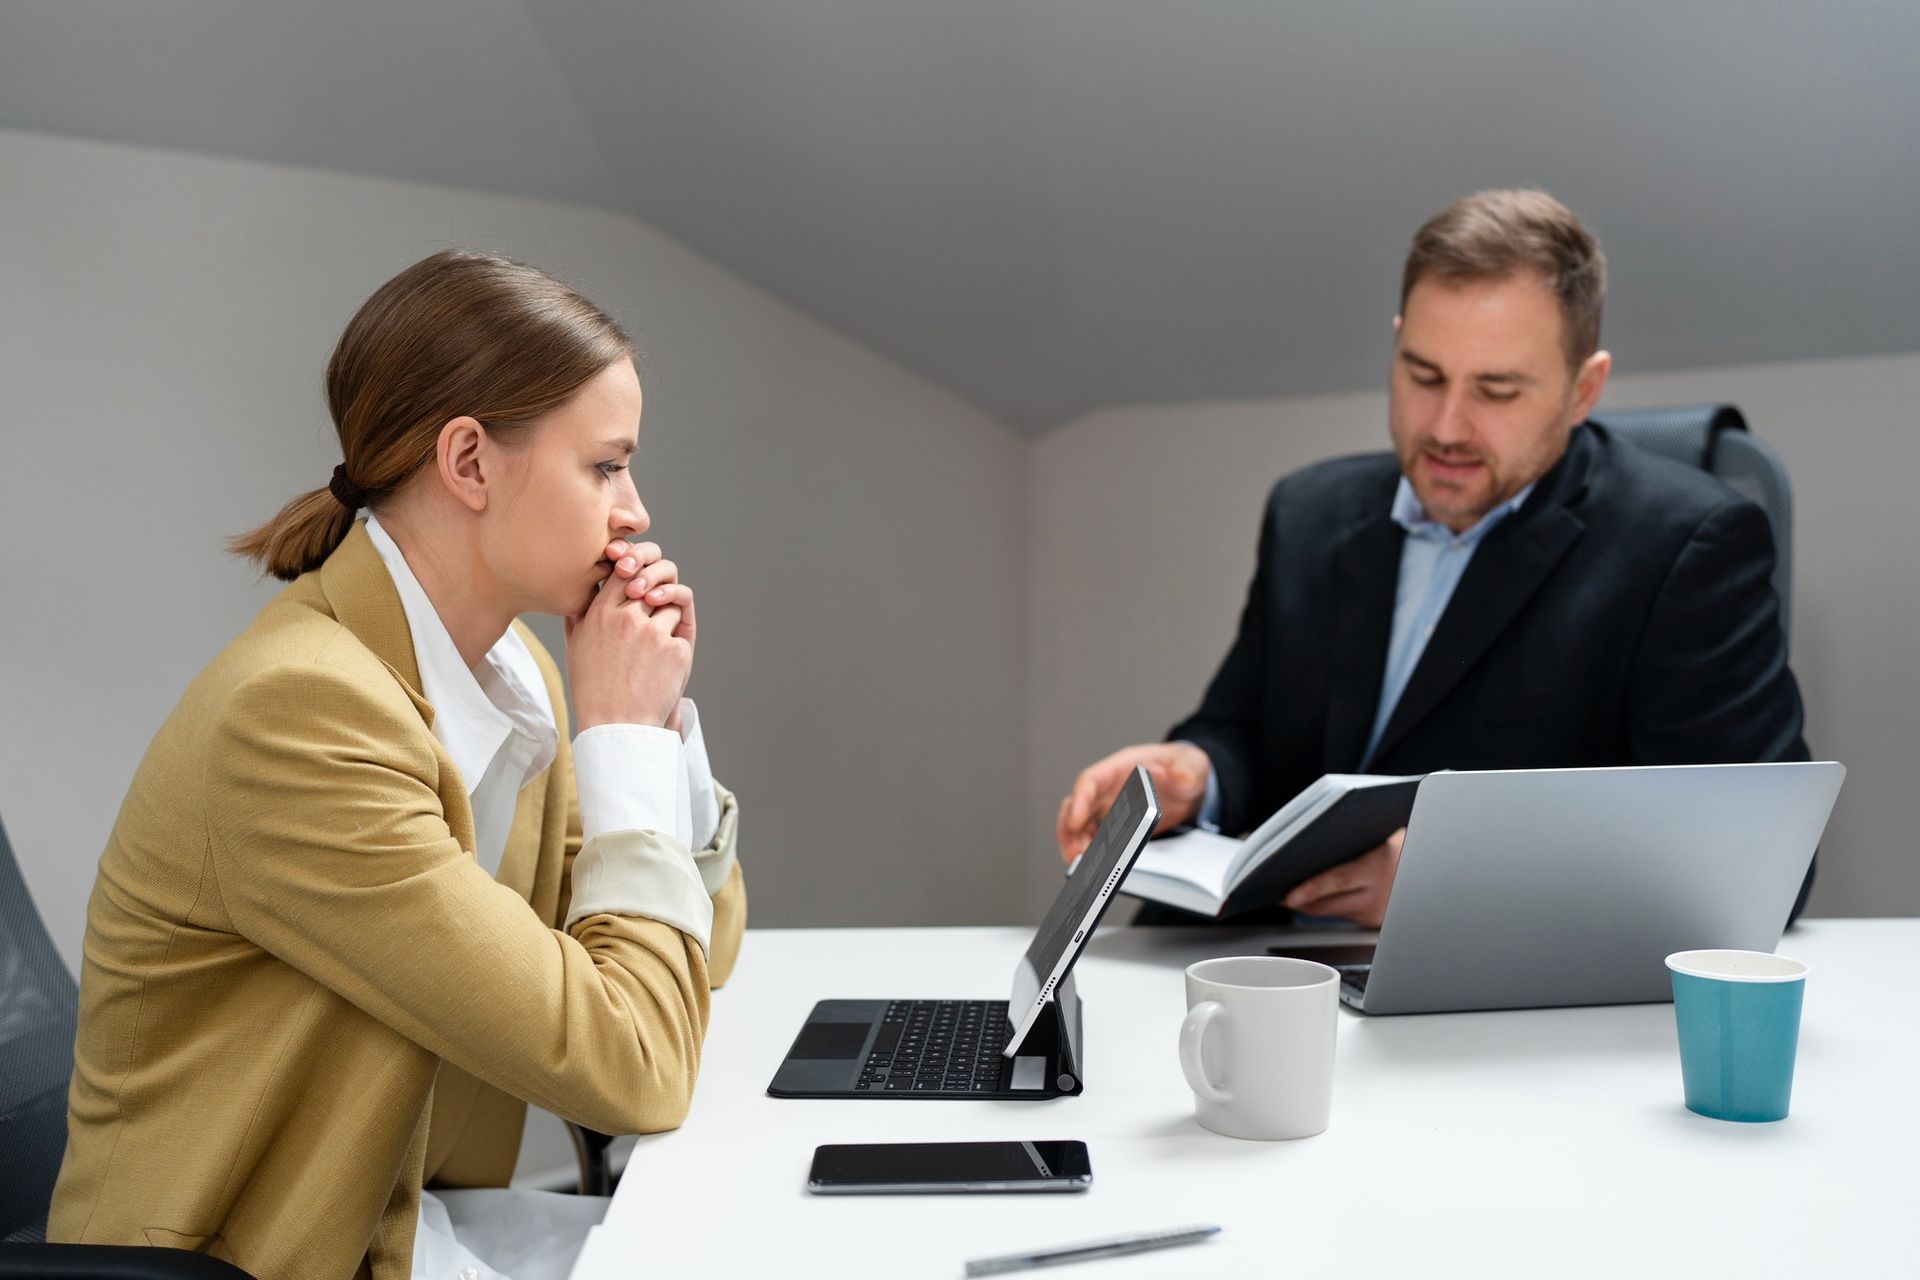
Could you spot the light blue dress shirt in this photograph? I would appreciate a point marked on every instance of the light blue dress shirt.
(1432, 560)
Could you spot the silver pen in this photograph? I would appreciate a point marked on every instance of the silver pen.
(1111, 1247)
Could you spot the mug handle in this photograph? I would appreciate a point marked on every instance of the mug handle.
(1193, 1033)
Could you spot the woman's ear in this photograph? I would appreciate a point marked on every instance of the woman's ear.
(460, 458)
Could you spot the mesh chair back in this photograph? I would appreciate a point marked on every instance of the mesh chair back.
(1714, 437)
(37, 1006)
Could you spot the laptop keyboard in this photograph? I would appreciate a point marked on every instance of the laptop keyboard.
(938, 1046)
(1355, 975)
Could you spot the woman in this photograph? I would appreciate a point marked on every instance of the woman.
(355, 912)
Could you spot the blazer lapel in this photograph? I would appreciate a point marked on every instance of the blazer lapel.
(1366, 570)
(1506, 571)
(363, 598)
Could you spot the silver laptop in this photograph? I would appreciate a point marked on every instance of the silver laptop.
(1539, 887)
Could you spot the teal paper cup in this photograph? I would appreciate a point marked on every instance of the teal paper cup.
(1738, 1014)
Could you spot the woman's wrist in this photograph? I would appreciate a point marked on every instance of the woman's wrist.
(594, 720)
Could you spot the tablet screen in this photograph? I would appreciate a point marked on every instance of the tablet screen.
(1089, 887)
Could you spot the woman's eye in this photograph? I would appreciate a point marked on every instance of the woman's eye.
(608, 469)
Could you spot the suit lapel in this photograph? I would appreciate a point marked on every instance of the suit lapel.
(1366, 568)
(1505, 573)
(363, 598)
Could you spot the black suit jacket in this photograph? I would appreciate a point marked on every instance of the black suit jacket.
(1624, 615)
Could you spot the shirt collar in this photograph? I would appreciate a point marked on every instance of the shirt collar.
(1410, 515)
(476, 711)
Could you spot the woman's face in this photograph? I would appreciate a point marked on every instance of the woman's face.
(574, 495)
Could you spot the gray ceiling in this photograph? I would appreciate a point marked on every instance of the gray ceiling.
(1060, 204)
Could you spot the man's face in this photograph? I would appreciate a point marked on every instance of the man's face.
(1480, 399)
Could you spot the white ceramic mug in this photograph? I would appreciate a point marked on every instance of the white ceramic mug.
(1257, 1045)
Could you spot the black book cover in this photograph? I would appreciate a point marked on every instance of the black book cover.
(1355, 823)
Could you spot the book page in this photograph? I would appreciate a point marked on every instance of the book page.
(1201, 858)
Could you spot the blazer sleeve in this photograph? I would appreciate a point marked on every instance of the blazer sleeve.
(332, 851)
(1227, 725)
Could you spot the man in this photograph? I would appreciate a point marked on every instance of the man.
(1512, 587)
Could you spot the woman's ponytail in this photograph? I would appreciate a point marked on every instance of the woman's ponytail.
(300, 538)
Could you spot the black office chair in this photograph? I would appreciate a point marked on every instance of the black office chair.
(38, 1001)
(590, 1148)
(1714, 437)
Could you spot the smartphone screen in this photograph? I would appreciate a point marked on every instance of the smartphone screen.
(879, 1167)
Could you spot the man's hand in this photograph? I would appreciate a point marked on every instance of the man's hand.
(1179, 771)
(1356, 890)
(630, 653)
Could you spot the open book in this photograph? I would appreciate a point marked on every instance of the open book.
(1339, 817)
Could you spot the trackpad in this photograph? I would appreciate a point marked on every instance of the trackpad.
(830, 1040)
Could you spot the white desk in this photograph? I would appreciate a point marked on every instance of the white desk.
(1537, 1143)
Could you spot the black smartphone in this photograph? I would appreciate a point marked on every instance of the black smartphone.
(907, 1167)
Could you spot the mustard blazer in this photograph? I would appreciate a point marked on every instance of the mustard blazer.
(301, 997)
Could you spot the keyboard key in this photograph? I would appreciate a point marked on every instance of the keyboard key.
(938, 1047)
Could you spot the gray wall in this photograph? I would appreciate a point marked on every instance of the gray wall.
(850, 528)
(1143, 523)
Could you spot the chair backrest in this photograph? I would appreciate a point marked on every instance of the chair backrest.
(38, 1001)
(1714, 437)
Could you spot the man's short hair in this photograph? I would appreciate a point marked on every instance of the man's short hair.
(1495, 235)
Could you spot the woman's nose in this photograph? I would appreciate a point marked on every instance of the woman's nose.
(630, 518)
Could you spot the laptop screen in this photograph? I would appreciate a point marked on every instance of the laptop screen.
(1090, 884)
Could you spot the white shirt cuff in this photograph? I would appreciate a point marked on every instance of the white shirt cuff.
(632, 777)
(1208, 819)
(705, 803)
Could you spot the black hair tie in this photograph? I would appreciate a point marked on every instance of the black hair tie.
(344, 491)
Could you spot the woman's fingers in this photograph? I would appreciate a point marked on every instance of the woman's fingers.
(667, 618)
(645, 553)
(677, 596)
(651, 580)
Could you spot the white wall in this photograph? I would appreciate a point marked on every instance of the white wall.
(1144, 520)
(856, 534)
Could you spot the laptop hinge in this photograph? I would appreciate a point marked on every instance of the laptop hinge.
(1056, 1035)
